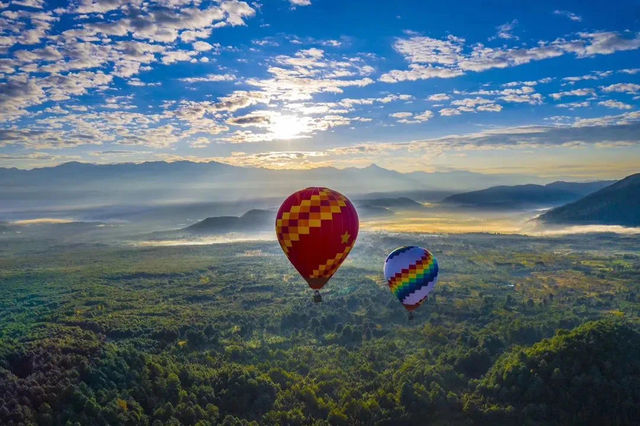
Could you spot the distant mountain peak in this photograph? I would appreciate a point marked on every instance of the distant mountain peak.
(374, 166)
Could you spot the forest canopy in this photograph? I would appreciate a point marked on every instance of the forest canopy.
(228, 334)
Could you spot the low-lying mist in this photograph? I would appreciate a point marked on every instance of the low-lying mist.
(170, 225)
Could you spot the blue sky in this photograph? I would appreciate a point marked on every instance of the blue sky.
(544, 88)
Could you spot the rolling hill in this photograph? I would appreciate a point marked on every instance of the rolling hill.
(252, 221)
(257, 220)
(523, 196)
(617, 204)
(400, 203)
(261, 220)
(379, 207)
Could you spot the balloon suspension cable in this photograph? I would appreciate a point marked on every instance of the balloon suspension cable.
(410, 315)
(317, 298)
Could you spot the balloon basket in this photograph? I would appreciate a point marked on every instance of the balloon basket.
(411, 316)
(317, 298)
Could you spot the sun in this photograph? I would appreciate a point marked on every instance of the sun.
(288, 126)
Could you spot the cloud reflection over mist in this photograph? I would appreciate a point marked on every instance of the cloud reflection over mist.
(202, 241)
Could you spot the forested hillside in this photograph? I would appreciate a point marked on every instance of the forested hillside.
(590, 375)
(617, 204)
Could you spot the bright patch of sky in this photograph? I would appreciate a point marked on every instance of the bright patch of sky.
(549, 88)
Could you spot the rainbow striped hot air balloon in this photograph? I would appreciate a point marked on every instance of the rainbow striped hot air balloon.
(411, 273)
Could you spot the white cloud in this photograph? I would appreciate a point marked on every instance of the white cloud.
(615, 104)
(574, 105)
(504, 30)
(36, 4)
(544, 80)
(300, 2)
(595, 75)
(192, 35)
(631, 88)
(625, 121)
(489, 107)
(331, 43)
(98, 6)
(602, 43)
(575, 92)
(210, 78)
(570, 15)
(471, 102)
(350, 103)
(177, 56)
(446, 112)
(392, 98)
(419, 72)
(477, 104)
(402, 114)
(411, 118)
(437, 97)
(134, 81)
(200, 142)
(523, 94)
(424, 116)
(237, 12)
(202, 46)
(532, 99)
(427, 50)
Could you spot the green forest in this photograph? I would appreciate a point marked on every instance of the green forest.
(519, 330)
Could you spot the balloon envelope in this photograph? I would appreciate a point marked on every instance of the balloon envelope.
(316, 228)
(411, 273)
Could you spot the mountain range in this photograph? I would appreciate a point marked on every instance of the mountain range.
(181, 192)
(86, 185)
(525, 196)
(616, 204)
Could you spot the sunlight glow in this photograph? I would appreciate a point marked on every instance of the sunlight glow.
(288, 126)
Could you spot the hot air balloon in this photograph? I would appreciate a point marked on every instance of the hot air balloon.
(411, 273)
(316, 228)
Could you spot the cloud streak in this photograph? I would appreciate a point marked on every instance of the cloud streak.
(602, 133)
(447, 58)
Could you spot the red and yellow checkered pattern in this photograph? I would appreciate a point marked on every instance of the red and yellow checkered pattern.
(308, 214)
(329, 268)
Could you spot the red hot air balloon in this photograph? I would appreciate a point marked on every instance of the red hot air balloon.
(316, 228)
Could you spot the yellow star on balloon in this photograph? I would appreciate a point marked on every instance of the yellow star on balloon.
(345, 238)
